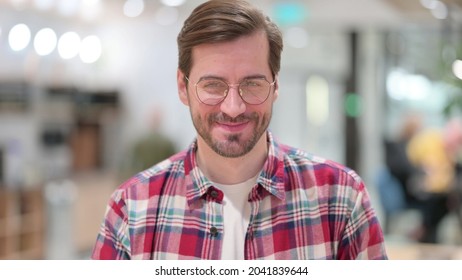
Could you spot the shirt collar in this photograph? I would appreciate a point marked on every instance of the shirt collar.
(271, 177)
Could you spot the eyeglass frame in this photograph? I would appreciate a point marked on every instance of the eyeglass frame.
(271, 84)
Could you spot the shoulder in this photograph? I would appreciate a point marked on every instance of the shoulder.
(149, 182)
(319, 170)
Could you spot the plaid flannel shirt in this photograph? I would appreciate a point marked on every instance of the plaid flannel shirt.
(303, 207)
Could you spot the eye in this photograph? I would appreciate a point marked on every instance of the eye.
(253, 83)
(212, 84)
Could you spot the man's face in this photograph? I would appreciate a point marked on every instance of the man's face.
(233, 127)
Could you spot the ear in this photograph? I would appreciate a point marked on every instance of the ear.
(182, 87)
(276, 88)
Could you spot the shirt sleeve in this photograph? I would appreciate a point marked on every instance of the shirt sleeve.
(363, 237)
(113, 242)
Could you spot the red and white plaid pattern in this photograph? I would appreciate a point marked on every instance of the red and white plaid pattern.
(303, 207)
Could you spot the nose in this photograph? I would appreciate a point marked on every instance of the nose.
(233, 105)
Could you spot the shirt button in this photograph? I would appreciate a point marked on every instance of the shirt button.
(214, 194)
(213, 231)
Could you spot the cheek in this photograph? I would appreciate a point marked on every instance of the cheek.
(267, 114)
(199, 113)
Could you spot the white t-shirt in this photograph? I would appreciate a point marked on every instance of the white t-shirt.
(236, 216)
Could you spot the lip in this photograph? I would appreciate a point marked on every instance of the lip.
(233, 127)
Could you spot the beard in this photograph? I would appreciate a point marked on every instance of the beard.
(234, 145)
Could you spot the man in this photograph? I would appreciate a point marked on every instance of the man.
(237, 193)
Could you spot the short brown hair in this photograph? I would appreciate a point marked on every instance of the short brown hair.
(225, 20)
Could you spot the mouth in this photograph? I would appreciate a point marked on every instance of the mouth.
(233, 126)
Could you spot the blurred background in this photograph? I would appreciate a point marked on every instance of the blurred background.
(85, 85)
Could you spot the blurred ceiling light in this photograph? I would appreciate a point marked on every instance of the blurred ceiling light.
(90, 49)
(45, 41)
(69, 45)
(44, 4)
(133, 8)
(166, 15)
(68, 7)
(457, 68)
(90, 9)
(437, 8)
(19, 37)
(173, 3)
(429, 4)
(297, 37)
(440, 11)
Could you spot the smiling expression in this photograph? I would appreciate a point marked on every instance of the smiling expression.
(231, 128)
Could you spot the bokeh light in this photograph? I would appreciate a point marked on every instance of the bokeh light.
(457, 68)
(69, 45)
(91, 49)
(19, 37)
(317, 100)
(173, 3)
(45, 41)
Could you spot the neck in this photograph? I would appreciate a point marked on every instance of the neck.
(224, 170)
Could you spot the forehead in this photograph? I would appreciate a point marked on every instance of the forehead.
(246, 54)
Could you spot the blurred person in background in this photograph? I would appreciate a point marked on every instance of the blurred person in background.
(397, 159)
(436, 152)
(395, 180)
(236, 192)
(150, 149)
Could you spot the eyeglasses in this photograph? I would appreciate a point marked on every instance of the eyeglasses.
(253, 91)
